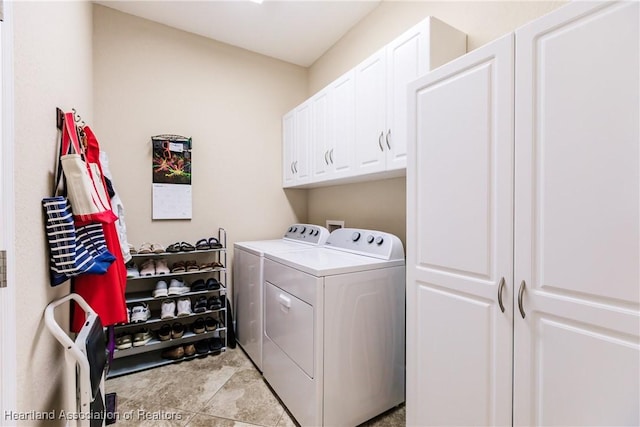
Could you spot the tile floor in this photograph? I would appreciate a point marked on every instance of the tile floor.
(224, 390)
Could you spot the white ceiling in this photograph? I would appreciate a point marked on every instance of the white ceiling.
(296, 31)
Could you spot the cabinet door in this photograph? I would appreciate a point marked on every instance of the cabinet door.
(407, 59)
(288, 148)
(303, 133)
(321, 136)
(370, 113)
(460, 241)
(576, 348)
(343, 108)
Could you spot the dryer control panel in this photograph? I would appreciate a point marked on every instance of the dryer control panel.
(372, 243)
(307, 233)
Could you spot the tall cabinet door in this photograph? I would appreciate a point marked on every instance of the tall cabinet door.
(408, 58)
(288, 148)
(460, 241)
(371, 95)
(577, 237)
(321, 135)
(303, 141)
(343, 109)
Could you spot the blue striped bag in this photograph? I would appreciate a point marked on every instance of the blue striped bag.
(72, 251)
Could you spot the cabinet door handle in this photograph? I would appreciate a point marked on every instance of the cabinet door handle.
(380, 141)
(295, 167)
(520, 292)
(292, 171)
(388, 144)
(331, 155)
(285, 301)
(326, 154)
(500, 288)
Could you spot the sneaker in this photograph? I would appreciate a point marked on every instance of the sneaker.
(132, 270)
(184, 307)
(177, 287)
(198, 326)
(168, 310)
(164, 333)
(189, 350)
(161, 289)
(162, 267)
(140, 313)
(177, 330)
(142, 337)
(173, 353)
(148, 268)
(123, 342)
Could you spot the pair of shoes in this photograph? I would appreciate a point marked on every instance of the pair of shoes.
(175, 287)
(210, 243)
(180, 247)
(210, 345)
(210, 266)
(152, 267)
(140, 313)
(170, 309)
(174, 353)
(142, 337)
(167, 332)
(151, 248)
(178, 267)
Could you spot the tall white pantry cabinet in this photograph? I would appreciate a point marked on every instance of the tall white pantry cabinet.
(523, 227)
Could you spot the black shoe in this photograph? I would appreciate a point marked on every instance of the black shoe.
(201, 305)
(198, 285)
(215, 303)
(202, 347)
(199, 326)
(213, 284)
(210, 324)
(215, 344)
(164, 333)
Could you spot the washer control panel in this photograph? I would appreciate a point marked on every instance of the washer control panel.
(367, 242)
(307, 233)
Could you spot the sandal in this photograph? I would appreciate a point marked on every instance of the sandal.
(213, 284)
(187, 247)
(207, 267)
(178, 267)
(157, 248)
(192, 266)
(175, 247)
(202, 245)
(146, 248)
(214, 243)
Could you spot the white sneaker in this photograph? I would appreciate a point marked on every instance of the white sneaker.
(176, 287)
(140, 313)
(161, 289)
(184, 307)
(132, 271)
(168, 309)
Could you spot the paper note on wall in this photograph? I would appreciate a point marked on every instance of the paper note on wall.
(171, 201)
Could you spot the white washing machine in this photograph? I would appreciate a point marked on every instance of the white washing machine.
(334, 341)
(248, 264)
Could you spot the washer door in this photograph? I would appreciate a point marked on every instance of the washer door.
(289, 324)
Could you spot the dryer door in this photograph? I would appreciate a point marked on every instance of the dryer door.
(289, 324)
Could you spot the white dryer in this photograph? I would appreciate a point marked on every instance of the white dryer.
(248, 264)
(334, 341)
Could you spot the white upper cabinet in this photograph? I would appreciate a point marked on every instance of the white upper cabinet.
(296, 146)
(363, 134)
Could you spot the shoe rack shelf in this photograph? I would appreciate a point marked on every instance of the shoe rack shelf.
(139, 291)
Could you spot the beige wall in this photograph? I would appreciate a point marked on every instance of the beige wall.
(52, 67)
(382, 205)
(151, 79)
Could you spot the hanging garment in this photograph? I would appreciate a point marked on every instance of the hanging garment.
(104, 293)
(118, 209)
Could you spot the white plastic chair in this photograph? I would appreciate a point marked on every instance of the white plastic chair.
(89, 352)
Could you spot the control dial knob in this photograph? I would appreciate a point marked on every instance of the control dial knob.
(302, 230)
(369, 238)
(355, 236)
(379, 240)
